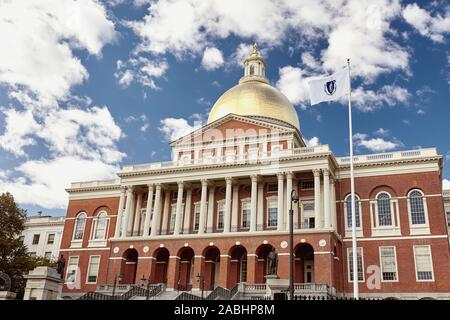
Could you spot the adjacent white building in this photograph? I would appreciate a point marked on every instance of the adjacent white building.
(42, 235)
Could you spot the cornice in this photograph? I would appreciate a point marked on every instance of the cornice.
(99, 188)
(220, 165)
(389, 162)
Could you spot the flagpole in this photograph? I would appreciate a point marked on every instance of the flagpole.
(352, 191)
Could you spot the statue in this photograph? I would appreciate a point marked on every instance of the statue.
(60, 264)
(273, 259)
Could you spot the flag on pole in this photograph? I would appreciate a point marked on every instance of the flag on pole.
(329, 88)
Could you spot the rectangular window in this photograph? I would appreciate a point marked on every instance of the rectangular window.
(48, 255)
(220, 213)
(272, 213)
(360, 264)
(196, 216)
(36, 238)
(448, 219)
(21, 238)
(424, 264)
(51, 238)
(272, 187)
(72, 267)
(173, 214)
(94, 263)
(245, 217)
(388, 263)
(307, 184)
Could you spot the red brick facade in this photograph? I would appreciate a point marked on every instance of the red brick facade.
(218, 257)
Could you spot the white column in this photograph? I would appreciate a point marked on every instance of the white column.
(187, 210)
(289, 176)
(280, 212)
(235, 207)
(201, 226)
(296, 218)
(210, 219)
(127, 212)
(317, 217)
(260, 206)
(131, 215)
(156, 211)
(253, 199)
(137, 215)
(227, 213)
(326, 196)
(148, 211)
(165, 217)
(333, 203)
(119, 213)
(179, 211)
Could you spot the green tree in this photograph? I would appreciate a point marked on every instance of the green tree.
(15, 260)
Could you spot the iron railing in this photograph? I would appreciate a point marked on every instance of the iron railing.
(133, 291)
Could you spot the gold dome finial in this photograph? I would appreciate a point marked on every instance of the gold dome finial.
(255, 47)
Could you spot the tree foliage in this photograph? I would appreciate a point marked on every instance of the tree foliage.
(15, 260)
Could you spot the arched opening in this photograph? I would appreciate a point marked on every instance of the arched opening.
(161, 256)
(261, 264)
(238, 266)
(129, 266)
(186, 269)
(304, 263)
(211, 267)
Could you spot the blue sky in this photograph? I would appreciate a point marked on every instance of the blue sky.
(86, 87)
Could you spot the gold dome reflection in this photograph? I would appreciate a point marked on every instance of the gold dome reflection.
(255, 98)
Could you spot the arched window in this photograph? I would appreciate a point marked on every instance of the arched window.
(349, 211)
(80, 223)
(384, 209)
(417, 207)
(100, 226)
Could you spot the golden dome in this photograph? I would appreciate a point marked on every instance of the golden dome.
(254, 96)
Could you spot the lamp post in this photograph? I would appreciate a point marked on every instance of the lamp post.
(118, 277)
(294, 199)
(201, 280)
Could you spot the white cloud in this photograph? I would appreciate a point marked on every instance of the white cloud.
(374, 144)
(38, 70)
(434, 28)
(43, 182)
(40, 37)
(173, 128)
(313, 142)
(185, 28)
(212, 59)
(446, 184)
(141, 70)
(368, 100)
(294, 85)
(382, 132)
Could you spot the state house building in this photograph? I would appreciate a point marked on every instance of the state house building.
(209, 217)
